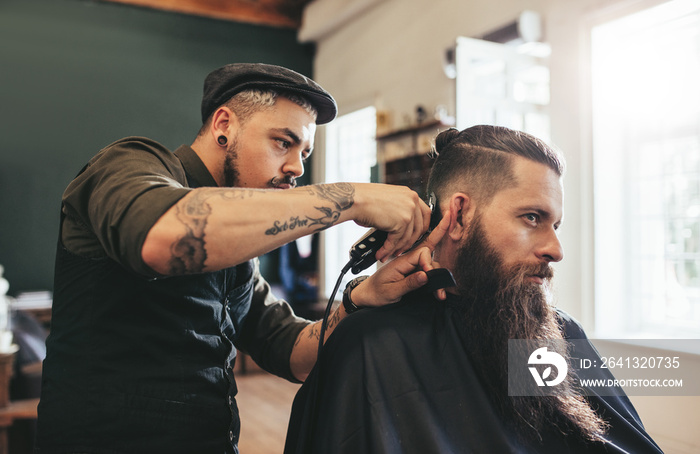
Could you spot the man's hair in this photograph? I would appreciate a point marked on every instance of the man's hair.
(479, 160)
(247, 102)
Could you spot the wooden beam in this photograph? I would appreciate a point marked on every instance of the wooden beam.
(278, 13)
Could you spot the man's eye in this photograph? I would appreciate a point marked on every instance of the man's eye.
(532, 218)
(284, 143)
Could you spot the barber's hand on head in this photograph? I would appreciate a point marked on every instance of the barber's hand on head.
(403, 274)
(397, 210)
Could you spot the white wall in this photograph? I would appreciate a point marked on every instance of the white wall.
(390, 55)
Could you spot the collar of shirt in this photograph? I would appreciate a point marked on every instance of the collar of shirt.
(194, 166)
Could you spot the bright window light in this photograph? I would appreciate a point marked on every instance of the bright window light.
(351, 152)
(646, 151)
(503, 84)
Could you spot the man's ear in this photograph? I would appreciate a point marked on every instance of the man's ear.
(462, 210)
(224, 122)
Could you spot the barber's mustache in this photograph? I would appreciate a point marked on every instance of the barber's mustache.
(285, 179)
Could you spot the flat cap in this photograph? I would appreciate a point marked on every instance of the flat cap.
(223, 83)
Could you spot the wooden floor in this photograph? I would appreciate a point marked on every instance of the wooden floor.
(264, 403)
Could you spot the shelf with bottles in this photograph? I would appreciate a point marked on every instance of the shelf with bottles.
(403, 154)
(412, 171)
(412, 140)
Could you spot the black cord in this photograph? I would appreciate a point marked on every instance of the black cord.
(313, 393)
(324, 323)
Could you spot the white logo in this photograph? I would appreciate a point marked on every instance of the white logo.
(542, 356)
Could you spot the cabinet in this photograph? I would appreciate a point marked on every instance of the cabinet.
(403, 155)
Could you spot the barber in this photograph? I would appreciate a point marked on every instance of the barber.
(157, 281)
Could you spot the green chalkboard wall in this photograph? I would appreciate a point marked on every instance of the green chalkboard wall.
(77, 75)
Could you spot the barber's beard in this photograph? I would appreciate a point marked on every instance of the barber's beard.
(497, 304)
(232, 175)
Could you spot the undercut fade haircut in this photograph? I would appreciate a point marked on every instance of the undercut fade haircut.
(247, 102)
(479, 160)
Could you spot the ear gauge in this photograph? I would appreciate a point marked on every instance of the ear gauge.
(222, 140)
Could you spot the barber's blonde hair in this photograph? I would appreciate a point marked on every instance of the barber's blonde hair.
(247, 102)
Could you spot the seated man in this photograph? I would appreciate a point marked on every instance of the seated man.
(431, 376)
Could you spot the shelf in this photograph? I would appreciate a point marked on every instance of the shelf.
(412, 171)
(411, 129)
(403, 154)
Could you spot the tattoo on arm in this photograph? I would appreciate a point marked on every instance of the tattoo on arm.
(291, 224)
(314, 330)
(189, 253)
(237, 193)
(313, 333)
(342, 197)
(334, 320)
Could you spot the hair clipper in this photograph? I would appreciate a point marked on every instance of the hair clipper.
(363, 253)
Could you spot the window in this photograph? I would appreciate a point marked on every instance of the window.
(351, 153)
(503, 84)
(646, 153)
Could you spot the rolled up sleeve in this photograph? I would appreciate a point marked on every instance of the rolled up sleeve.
(270, 330)
(121, 194)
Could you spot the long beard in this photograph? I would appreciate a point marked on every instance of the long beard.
(497, 304)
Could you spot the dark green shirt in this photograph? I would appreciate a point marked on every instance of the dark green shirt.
(137, 362)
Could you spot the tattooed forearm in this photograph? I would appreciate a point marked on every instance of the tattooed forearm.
(292, 224)
(342, 195)
(334, 320)
(329, 218)
(312, 333)
(236, 193)
(188, 253)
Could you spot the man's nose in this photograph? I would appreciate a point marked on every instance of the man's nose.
(294, 165)
(551, 249)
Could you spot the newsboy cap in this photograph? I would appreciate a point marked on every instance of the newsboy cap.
(223, 83)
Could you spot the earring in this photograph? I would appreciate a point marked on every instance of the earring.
(222, 140)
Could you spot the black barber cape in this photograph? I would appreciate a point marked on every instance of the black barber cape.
(397, 380)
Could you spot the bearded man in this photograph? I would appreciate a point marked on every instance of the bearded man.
(428, 375)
